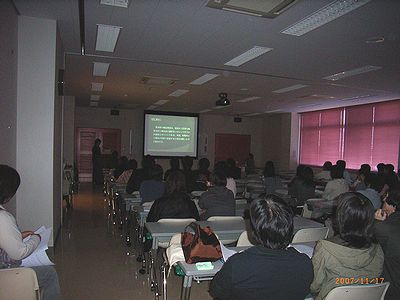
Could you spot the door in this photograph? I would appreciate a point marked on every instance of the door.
(85, 137)
(236, 146)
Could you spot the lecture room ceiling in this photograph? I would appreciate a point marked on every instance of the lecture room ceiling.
(165, 45)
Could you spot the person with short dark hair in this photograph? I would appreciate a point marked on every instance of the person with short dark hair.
(268, 270)
(233, 170)
(359, 184)
(121, 167)
(346, 176)
(218, 200)
(390, 176)
(130, 167)
(302, 187)
(272, 182)
(372, 190)
(144, 173)
(202, 175)
(13, 248)
(387, 228)
(187, 164)
(153, 188)
(351, 252)
(325, 174)
(222, 167)
(337, 185)
(250, 167)
(174, 166)
(97, 174)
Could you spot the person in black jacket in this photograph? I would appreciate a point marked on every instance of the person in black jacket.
(140, 175)
(268, 270)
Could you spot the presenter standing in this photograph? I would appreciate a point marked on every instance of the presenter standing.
(96, 163)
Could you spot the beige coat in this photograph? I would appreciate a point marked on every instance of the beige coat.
(332, 262)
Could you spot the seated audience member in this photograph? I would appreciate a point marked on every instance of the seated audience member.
(202, 175)
(351, 253)
(372, 190)
(13, 248)
(390, 176)
(325, 174)
(250, 165)
(153, 188)
(359, 184)
(130, 168)
(272, 181)
(302, 187)
(387, 228)
(174, 166)
(268, 270)
(233, 170)
(337, 185)
(218, 200)
(140, 175)
(222, 167)
(346, 176)
(176, 203)
(121, 167)
(187, 164)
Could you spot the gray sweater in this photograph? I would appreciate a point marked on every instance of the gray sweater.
(217, 201)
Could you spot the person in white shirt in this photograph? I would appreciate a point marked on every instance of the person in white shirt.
(337, 185)
(13, 248)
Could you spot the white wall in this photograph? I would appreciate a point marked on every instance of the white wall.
(8, 87)
(35, 122)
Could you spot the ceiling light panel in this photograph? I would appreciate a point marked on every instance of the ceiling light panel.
(248, 99)
(152, 107)
(97, 86)
(220, 107)
(178, 93)
(253, 114)
(325, 15)
(272, 111)
(161, 102)
(356, 98)
(254, 52)
(353, 72)
(94, 97)
(205, 110)
(290, 88)
(107, 36)
(203, 79)
(118, 3)
(100, 68)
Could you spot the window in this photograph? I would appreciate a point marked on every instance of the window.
(358, 134)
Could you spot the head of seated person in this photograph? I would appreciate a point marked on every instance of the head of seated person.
(336, 172)
(9, 183)
(269, 169)
(176, 182)
(174, 163)
(327, 166)
(131, 165)
(373, 181)
(392, 201)
(271, 222)
(218, 179)
(156, 172)
(341, 164)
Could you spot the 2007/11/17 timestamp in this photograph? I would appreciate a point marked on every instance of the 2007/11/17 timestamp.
(360, 280)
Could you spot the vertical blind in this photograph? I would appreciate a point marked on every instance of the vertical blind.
(357, 134)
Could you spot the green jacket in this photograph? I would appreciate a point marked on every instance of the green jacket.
(332, 262)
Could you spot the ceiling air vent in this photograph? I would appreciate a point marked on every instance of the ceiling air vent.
(266, 8)
(157, 80)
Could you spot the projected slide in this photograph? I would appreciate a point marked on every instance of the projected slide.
(170, 135)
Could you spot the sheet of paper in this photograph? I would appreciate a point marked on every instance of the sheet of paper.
(39, 256)
(226, 253)
(303, 248)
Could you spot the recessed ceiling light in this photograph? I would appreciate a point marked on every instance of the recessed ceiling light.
(254, 52)
(241, 12)
(100, 68)
(152, 107)
(324, 15)
(97, 86)
(252, 114)
(161, 102)
(94, 103)
(107, 36)
(94, 97)
(118, 3)
(205, 110)
(248, 99)
(157, 80)
(290, 88)
(272, 111)
(203, 79)
(244, 89)
(353, 72)
(178, 93)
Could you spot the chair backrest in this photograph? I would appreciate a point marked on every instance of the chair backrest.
(224, 218)
(19, 283)
(310, 235)
(359, 292)
(243, 240)
(188, 220)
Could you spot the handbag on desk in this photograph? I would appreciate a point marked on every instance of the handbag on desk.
(200, 244)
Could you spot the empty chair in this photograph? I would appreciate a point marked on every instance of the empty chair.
(307, 235)
(19, 283)
(359, 292)
(243, 240)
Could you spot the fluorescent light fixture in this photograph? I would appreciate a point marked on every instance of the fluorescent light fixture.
(94, 103)
(204, 111)
(220, 107)
(310, 105)
(353, 72)
(178, 93)
(152, 107)
(97, 86)
(252, 114)
(290, 88)
(272, 111)
(203, 79)
(161, 102)
(118, 3)
(100, 68)
(94, 97)
(254, 52)
(248, 99)
(355, 98)
(241, 12)
(107, 36)
(326, 14)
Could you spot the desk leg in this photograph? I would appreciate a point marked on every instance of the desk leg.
(186, 287)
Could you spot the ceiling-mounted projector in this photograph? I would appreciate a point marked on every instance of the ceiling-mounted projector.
(223, 100)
